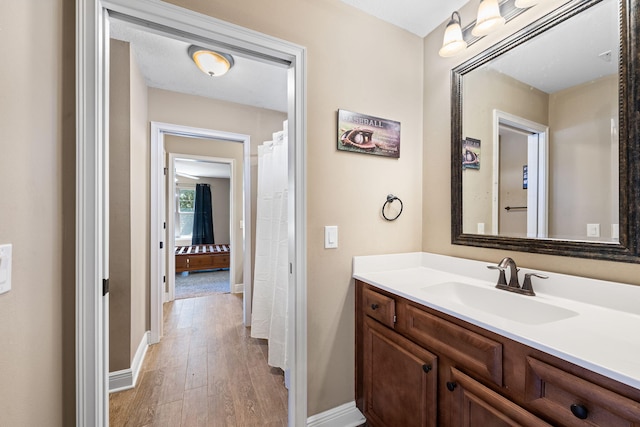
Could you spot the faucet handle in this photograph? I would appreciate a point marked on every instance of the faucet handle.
(502, 280)
(527, 287)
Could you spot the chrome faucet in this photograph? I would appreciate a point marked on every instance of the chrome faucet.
(514, 285)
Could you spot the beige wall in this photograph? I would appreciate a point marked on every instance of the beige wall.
(580, 153)
(189, 110)
(140, 209)
(37, 205)
(129, 208)
(486, 90)
(220, 196)
(119, 209)
(437, 143)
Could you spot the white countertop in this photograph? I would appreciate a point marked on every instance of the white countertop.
(603, 335)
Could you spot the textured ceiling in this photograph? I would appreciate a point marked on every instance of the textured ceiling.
(202, 168)
(570, 54)
(165, 64)
(417, 16)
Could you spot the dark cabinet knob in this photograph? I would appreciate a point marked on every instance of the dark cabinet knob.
(579, 411)
(374, 306)
(426, 368)
(451, 385)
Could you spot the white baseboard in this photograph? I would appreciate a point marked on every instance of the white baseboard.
(127, 378)
(238, 288)
(346, 415)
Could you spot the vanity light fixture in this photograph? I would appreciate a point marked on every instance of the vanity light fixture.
(489, 18)
(492, 14)
(209, 62)
(453, 42)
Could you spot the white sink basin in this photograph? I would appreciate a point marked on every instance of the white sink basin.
(508, 305)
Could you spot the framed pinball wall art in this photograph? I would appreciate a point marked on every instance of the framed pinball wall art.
(471, 153)
(360, 133)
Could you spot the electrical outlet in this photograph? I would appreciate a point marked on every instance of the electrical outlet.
(593, 230)
(481, 228)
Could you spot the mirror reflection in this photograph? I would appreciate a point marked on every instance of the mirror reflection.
(540, 134)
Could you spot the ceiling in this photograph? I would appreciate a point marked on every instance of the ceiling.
(165, 64)
(202, 168)
(577, 51)
(417, 16)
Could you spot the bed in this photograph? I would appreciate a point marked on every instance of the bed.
(202, 257)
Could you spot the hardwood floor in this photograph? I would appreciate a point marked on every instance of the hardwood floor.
(206, 371)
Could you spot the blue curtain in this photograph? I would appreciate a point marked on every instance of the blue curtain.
(202, 217)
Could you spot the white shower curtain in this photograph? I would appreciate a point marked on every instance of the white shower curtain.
(271, 282)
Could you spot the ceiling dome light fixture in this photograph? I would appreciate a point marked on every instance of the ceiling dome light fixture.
(212, 63)
(489, 18)
(453, 43)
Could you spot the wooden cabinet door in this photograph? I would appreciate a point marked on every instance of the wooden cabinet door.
(399, 379)
(476, 405)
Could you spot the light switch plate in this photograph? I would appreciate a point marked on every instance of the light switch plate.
(330, 236)
(5, 268)
(593, 230)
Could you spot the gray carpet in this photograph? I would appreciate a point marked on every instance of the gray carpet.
(199, 283)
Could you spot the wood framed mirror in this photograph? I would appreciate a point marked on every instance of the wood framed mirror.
(575, 190)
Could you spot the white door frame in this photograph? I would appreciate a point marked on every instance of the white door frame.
(92, 218)
(92, 38)
(538, 154)
(158, 209)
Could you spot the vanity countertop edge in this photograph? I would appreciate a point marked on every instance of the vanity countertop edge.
(585, 339)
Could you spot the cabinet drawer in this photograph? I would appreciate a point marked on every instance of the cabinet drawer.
(380, 307)
(573, 401)
(479, 354)
(479, 406)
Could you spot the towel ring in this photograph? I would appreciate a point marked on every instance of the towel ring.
(390, 199)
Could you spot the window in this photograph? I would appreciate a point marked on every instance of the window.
(185, 204)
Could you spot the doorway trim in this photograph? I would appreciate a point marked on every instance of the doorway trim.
(158, 208)
(538, 152)
(92, 100)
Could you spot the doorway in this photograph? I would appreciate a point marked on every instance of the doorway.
(159, 210)
(520, 176)
(185, 173)
(92, 24)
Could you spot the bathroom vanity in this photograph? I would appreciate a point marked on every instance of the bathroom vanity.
(438, 345)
